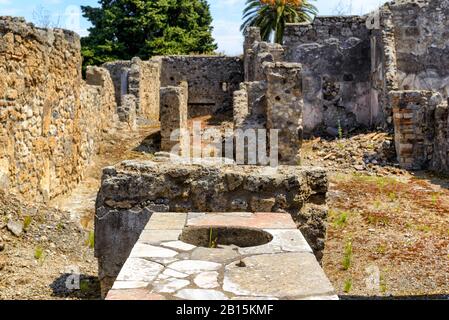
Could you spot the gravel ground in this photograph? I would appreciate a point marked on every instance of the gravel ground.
(388, 231)
(40, 248)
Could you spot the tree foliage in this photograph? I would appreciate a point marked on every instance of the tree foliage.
(272, 15)
(123, 29)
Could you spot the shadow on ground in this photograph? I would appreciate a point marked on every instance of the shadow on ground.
(88, 288)
(435, 178)
(150, 144)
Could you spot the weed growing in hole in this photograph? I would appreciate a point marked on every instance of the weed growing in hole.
(27, 222)
(212, 240)
(348, 285)
(347, 257)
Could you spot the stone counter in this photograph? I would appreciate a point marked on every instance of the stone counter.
(132, 191)
(162, 267)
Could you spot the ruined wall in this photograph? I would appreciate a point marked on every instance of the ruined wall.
(257, 52)
(50, 121)
(414, 116)
(140, 79)
(440, 158)
(419, 39)
(132, 191)
(212, 80)
(250, 106)
(383, 61)
(335, 55)
(144, 84)
(421, 129)
(421, 30)
(285, 106)
(119, 71)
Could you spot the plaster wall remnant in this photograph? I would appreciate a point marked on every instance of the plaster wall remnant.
(174, 101)
(336, 59)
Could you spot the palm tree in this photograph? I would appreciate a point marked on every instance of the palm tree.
(272, 15)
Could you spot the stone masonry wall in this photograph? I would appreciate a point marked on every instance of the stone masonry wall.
(144, 84)
(132, 191)
(212, 80)
(383, 61)
(256, 52)
(140, 79)
(422, 42)
(414, 122)
(419, 80)
(285, 108)
(119, 71)
(335, 55)
(50, 121)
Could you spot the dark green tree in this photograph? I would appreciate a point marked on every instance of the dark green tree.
(123, 29)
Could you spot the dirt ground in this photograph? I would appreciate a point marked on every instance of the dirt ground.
(388, 229)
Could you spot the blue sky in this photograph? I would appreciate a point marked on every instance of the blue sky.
(226, 13)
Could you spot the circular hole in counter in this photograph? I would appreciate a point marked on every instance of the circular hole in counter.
(213, 237)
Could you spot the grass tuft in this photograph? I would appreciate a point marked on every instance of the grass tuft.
(347, 257)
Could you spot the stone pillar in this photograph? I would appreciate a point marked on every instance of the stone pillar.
(252, 36)
(174, 102)
(285, 108)
(414, 126)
